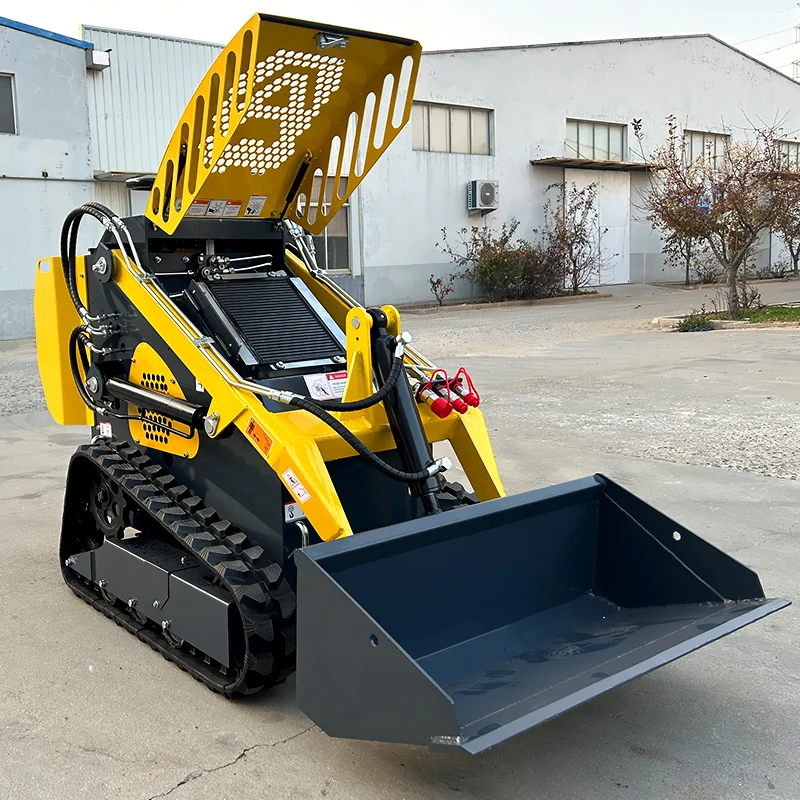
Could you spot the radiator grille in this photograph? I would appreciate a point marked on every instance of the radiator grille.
(275, 320)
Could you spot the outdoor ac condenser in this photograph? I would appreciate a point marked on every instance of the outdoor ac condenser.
(483, 196)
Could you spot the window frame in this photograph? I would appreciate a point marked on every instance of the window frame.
(792, 154)
(323, 235)
(14, 116)
(622, 127)
(688, 133)
(425, 106)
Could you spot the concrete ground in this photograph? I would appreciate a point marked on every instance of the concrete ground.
(703, 426)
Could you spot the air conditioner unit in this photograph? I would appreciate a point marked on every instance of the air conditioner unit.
(483, 196)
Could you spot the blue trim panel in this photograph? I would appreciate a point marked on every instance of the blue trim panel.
(56, 37)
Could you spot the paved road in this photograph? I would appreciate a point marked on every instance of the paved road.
(703, 426)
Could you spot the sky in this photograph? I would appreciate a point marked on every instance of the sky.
(442, 24)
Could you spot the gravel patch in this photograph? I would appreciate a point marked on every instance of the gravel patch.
(20, 386)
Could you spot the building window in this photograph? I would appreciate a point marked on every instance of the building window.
(451, 129)
(703, 145)
(8, 119)
(333, 244)
(600, 141)
(790, 153)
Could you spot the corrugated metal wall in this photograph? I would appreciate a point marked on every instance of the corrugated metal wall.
(135, 104)
(114, 195)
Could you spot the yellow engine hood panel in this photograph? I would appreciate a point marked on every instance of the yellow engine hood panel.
(286, 101)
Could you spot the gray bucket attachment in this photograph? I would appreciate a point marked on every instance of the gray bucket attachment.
(463, 629)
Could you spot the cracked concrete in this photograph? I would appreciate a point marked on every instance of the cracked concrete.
(193, 776)
(88, 711)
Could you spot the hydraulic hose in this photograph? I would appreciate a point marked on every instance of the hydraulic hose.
(372, 400)
(360, 447)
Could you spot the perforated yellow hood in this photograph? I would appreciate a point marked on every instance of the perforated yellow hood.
(287, 102)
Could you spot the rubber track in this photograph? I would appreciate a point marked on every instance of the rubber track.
(263, 597)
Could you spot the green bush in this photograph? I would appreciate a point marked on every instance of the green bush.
(696, 321)
(506, 268)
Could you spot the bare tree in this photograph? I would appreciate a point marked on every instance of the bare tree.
(573, 224)
(787, 218)
(724, 200)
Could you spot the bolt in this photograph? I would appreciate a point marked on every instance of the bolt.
(186, 454)
(70, 561)
(157, 259)
(136, 440)
(184, 560)
(445, 463)
(165, 624)
(279, 364)
(210, 423)
(404, 338)
(100, 266)
(156, 604)
(185, 259)
(356, 323)
(339, 359)
(172, 380)
(102, 583)
(132, 602)
(92, 384)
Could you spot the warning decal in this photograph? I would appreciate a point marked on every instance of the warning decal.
(255, 205)
(292, 511)
(295, 487)
(326, 385)
(198, 208)
(216, 208)
(232, 209)
(259, 436)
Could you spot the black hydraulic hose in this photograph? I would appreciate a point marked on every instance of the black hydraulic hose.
(69, 237)
(357, 444)
(69, 244)
(76, 339)
(372, 400)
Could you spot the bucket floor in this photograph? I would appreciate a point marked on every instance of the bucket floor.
(554, 660)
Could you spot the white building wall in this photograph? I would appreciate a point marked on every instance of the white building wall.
(45, 167)
(136, 103)
(409, 196)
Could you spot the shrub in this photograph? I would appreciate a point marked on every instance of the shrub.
(780, 269)
(706, 270)
(696, 321)
(440, 287)
(504, 267)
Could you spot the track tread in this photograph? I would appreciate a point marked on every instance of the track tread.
(265, 601)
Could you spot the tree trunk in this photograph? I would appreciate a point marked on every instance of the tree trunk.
(795, 254)
(733, 295)
(688, 263)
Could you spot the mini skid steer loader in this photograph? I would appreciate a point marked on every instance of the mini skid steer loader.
(260, 494)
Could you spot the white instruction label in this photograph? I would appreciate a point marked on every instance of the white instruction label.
(233, 208)
(255, 205)
(198, 387)
(295, 487)
(105, 430)
(216, 208)
(326, 385)
(198, 208)
(292, 512)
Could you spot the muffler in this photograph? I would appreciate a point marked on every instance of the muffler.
(463, 629)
